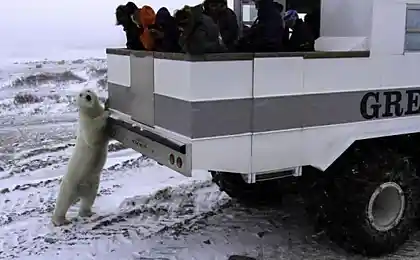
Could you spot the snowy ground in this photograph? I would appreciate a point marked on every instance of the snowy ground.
(144, 211)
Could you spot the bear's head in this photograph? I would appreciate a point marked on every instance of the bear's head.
(88, 103)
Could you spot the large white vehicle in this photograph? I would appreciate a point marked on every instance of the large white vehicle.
(343, 121)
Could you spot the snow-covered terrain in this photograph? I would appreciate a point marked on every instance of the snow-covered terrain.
(137, 197)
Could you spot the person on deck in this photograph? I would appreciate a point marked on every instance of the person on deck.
(301, 38)
(266, 33)
(312, 20)
(165, 32)
(198, 33)
(123, 15)
(279, 7)
(145, 18)
(226, 20)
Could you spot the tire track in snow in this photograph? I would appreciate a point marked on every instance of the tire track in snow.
(33, 202)
(27, 124)
(27, 162)
(269, 233)
(136, 218)
(31, 199)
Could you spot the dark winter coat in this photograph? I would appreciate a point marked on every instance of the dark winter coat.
(201, 35)
(132, 32)
(165, 23)
(301, 38)
(312, 20)
(266, 34)
(228, 25)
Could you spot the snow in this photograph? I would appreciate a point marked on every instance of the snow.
(144, 211)
(38, 121)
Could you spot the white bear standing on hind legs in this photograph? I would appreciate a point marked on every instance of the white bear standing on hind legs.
(84, 169)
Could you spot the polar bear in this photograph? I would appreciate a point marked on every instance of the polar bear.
(83, 173)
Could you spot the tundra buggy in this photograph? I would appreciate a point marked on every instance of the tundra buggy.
(343, 121)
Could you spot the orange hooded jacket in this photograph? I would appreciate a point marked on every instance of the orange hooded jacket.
(146, 16)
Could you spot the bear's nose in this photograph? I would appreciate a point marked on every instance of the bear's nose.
(88, 98)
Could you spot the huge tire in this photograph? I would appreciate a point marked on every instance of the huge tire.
(265, 192)
(368, 200)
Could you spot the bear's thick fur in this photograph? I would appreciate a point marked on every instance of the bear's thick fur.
(89, 156)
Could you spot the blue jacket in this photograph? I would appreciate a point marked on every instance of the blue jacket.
(266, 34)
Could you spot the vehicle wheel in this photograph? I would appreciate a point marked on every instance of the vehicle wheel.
(367, 201)
(265, 192)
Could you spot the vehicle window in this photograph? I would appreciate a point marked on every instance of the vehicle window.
(412, 30)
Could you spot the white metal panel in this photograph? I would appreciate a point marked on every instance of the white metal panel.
(400, 70)
(278, 76)
(339, 75)
(325, 43)
(212, 80)
(346, 18)
(172, 78)
(388, 37)
(276, 150)
(323, 145)
(229, 153)
(119, 69)
(320, 146)
(142, 89)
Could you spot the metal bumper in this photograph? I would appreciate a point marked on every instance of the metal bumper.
(144, 140)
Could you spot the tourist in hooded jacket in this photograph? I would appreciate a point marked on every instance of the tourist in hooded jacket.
(198, 32)
(302, 38)
(225, 18)
(145, 18)
(132, 32)
(165, 32)
(266, 33)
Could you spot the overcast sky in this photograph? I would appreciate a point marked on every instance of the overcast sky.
(46, 28)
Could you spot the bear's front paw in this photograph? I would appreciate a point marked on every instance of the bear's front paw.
(106, 105)
(60, 221)
(106, 114)
(86, 213)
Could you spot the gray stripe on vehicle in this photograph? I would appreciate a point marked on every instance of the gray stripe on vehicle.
(203, 119)
(173, 114)
(142, 88)
(120, 98)
(288, 112)
(229, 117)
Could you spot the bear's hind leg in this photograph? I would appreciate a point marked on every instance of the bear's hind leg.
(87, 200)
(86, 206)
(65, 199)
